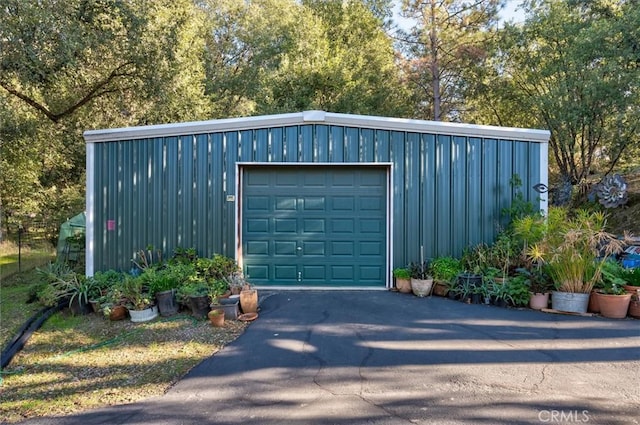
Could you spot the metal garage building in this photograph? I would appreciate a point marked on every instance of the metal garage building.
(309, 199)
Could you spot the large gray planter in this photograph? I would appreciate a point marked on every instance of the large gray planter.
(571, 302)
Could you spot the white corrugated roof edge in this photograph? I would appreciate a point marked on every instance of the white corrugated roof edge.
(316, 117)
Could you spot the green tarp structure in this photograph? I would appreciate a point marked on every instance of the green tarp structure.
(71, 238)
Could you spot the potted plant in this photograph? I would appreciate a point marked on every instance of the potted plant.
(632, 279)
(474, 264)
(574, 256)
(634, 305)
(235, 282)
(518, 291)
(402, 277)
(444, 270)
(421, 280)
(477, 293)
(103, 282)
(614, 301)
(79, 289)
(464, 289)
(197, 295)
(539, 285)
(137, 299)
(164, 283)
(500, 293)
(216, 317)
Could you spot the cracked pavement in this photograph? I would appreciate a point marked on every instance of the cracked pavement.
(378, 357)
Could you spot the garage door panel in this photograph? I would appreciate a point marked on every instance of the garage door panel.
(286, 203)
(316, 203)
(258, 271)
(285, 225)
(371, 248)
(314, 272)
(318, 226)
(371, 203)
(314, 248)
(342, 273)
(342, 248)
(285, 272)
(342, 180)
(371, 273)
(314, 225)
(285, 248)
(342, 225)
(372, 180)
(258, 248)
(374, 226)
(257, 203)
(314, 180)
(258, 225)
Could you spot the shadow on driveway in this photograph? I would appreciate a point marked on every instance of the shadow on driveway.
(378, 357)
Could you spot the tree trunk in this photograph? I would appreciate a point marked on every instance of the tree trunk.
(435, 68)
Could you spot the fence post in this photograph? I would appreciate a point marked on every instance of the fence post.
(20, 230)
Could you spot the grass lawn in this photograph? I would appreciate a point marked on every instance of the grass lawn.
(77, 363)
(29, 259)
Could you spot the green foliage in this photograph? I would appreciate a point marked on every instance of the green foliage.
(184, 255)
(133, 293)
(632, 276)
(520, 207)
(475, 259)
(573, 249)
(536, 279)
(171, 277)
(612, 273)
(517, 291)
(445, 268)
(574, 70)
(147, 258)
(47, 289)
(192, 289)
(402, 273)
(215, 268)
(59, 282)
(450, 40)
(420, 270)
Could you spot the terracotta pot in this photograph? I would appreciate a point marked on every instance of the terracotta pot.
(632, 289)
(249, 300)
(440, 288)
(593, 307)
(421, 287)
(634, 308)
(118, 312)
(539, 301)
(216, 317)
(403, 285)
(614, 306)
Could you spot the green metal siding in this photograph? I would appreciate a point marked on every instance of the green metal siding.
(448, 191)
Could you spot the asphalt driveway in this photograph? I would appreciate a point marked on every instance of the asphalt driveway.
(377, 357)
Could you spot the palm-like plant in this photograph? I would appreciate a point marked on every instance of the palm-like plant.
(575, 254)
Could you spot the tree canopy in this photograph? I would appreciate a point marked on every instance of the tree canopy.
(72, 65)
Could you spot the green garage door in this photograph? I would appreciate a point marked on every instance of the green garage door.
(314, 225)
